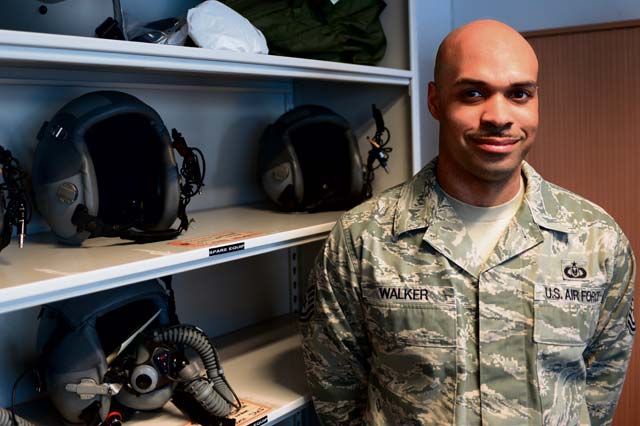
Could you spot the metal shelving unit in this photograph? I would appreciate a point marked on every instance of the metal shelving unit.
(263, 363)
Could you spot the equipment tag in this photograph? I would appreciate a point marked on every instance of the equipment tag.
(251, 414)
(214, 239)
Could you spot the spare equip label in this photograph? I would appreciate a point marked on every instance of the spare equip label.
(213, 251)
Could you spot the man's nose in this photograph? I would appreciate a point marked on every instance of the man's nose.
(497, 112)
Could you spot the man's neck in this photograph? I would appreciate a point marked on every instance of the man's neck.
(477, 192)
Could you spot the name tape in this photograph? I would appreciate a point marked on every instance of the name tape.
(403, 293)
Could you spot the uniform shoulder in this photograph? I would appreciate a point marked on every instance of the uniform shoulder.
(577, 210)
(376, 211)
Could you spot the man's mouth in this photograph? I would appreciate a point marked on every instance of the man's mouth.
(501, 144)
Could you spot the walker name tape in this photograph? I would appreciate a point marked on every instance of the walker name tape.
(213, 251)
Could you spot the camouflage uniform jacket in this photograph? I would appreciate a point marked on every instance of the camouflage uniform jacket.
(398, 329)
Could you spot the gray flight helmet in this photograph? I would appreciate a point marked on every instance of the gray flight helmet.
(110, 153)
(309, 160)
(76, 337)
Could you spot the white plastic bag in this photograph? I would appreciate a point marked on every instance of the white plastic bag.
(213, 25)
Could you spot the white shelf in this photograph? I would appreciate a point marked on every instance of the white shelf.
(18, 48)
(262, 363)
(44, 270)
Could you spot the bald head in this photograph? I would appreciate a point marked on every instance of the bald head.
(485, 98)
(484, 38)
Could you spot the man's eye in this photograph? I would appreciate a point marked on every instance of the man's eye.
(520, 95)
(472, 94)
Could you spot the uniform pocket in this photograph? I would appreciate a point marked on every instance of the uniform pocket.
(565, 315)
(414, 356)
(404, 316)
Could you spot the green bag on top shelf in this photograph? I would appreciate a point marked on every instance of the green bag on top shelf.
(331, 30)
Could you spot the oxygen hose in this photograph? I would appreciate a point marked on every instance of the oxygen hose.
(7, 420)
(213, 393)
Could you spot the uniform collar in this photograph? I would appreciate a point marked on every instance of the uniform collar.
(421, 202)
(417, 202)
(545, 208)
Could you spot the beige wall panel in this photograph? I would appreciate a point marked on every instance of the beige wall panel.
(588, 139)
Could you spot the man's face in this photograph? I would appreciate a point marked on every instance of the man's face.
(486, 101)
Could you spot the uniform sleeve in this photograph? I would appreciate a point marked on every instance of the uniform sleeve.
(334, 340)
(607, 356)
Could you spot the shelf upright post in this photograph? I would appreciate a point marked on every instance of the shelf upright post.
(414, 89)
(294, 282)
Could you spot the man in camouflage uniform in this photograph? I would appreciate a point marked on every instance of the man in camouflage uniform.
(407, 323)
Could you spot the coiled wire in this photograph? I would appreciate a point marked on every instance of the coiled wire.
(13, 196)
(213, 393)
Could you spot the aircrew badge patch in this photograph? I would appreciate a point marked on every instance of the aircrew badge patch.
(574, 270)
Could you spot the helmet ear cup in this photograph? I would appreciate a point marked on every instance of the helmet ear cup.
(280, 172)
(63, 175)
(309, 160)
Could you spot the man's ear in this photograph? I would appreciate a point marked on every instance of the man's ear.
(432, 100)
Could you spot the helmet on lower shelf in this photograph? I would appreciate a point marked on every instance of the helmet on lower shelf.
(124, 349)
(80, 338)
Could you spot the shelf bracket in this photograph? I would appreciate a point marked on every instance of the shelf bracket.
(294, 282)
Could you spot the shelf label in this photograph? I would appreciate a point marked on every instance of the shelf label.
(226, 249)
(218, 238)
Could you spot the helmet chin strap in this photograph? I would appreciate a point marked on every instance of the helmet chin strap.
(86, 222)
(193, 181)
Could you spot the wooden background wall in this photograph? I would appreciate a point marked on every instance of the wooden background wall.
(589, 136)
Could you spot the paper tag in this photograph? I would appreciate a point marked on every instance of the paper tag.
(215, 239)
(251, 414)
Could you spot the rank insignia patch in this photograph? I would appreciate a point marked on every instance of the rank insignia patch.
(309, 303)
(631, 321)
